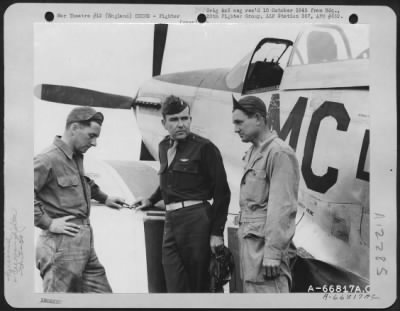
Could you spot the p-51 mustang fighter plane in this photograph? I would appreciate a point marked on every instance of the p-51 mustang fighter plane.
(317, 94)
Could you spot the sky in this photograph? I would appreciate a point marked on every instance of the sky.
(117, 58)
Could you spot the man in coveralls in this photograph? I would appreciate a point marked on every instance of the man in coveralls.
(65, 254)
(191, 174)
(268, 201)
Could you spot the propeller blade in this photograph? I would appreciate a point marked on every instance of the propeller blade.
(160, 37)
(82, 97)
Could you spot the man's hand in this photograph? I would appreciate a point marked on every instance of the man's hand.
(215, 242)
(115, 202)
(62, 226)
(141, 204)
(272, 268)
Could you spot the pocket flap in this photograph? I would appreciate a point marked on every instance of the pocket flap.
(67, 181)
(261, 174)
(189, 166)
(253, 229)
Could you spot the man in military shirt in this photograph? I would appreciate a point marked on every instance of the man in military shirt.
(65, 253)
(191, 174)
(268, 201)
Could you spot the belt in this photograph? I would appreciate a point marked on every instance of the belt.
(80, 221)
(178, 205)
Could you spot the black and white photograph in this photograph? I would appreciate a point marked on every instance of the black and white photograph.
(129, 72)
(224, 159)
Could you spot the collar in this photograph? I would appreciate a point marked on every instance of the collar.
(263, 147)
(181, 142)
(265, 143)
(58, 142)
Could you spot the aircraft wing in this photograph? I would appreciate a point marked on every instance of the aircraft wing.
(140, 176)
(128, 242)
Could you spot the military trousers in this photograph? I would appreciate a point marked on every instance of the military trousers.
(186, 249)
(70, 264)
(251, 252)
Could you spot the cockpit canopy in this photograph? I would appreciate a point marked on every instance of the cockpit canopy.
(262, 70)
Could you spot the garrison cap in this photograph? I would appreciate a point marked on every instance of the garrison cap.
(250, 105)
(80, 114)
(173, 105)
